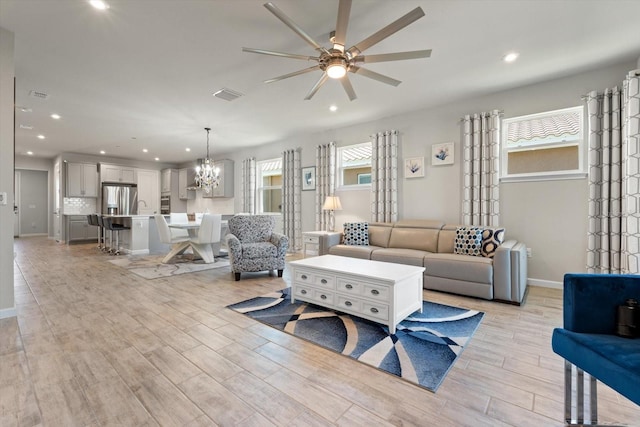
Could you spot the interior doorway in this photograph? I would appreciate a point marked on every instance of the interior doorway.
(32, 203)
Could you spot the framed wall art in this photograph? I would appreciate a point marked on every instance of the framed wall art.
(414, 167)
(442, 154)
(309, 178)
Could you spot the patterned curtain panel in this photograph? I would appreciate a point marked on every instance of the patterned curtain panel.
(325, 182)
(481, 149)
(614, 153)
(249, 185)
(291, 194)
(384, 176)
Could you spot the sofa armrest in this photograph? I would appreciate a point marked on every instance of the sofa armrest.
(502, 271)
(590, 300)
(281, 241)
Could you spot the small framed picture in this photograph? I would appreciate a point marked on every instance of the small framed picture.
(442, 154)
(414, 167)
(309, 178)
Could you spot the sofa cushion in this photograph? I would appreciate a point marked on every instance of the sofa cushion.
(459, 267)
(259, 250)
(468, 241)
(399, 256)
(491, 239)
(363, 252)
(447, 238)
(356, 233)
(379, 233)
(422, 239)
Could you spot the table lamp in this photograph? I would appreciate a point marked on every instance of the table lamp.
(331, 203)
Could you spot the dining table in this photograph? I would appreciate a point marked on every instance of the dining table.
(192, 228)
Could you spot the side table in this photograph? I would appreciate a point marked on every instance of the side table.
(322, 240)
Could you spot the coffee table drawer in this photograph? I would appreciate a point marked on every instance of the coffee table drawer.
(350, 286)
(325, 280)
(324, 298)
(303, 292)
(379, 311)
(348, 304)
(380, 293)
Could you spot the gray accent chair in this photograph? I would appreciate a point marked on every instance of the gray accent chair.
(253, 246)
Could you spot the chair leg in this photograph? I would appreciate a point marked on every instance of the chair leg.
(176, 249)
(581, 411)
(204, 251)
(237, 276)
(280, 273)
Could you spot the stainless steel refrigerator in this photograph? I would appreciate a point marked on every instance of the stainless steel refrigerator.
(119, 199)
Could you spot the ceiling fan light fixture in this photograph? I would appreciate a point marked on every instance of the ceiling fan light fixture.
(337, 68)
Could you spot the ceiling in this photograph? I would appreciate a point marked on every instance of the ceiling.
(141, 74)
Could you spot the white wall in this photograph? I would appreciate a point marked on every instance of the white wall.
(7, 76)
(550, 217)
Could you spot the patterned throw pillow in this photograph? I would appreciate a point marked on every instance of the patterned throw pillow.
(356, 233)
(468, 241)
(491, 239)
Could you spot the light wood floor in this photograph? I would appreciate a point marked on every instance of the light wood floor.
(94, 345)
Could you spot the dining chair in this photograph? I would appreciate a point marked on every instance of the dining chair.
(208, 233)
(178, 243)
(178, 218)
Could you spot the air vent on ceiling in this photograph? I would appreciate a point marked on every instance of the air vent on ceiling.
(24, 109)
(227, 94)
(38, 94)
(27, 127)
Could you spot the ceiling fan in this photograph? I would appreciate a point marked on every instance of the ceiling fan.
(335, 62)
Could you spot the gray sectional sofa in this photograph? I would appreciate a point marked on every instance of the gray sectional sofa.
(430, 244)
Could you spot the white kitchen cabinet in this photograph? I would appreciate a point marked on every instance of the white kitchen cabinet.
(225, 187)
(186, 177)
(116, 173)
(78, 229)
(82, 180)
(148, 191)
(165, 185)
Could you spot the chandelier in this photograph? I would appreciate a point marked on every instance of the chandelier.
(207, 176)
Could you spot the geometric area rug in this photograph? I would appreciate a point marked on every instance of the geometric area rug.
(422, 350)
(151, 266)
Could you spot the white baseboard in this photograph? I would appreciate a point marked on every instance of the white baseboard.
(544, 283)
(8, 312)
(135, 252)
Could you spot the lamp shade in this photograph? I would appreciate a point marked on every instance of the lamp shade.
(332, 203)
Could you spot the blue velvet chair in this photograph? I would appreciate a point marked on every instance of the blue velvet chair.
(589, 342)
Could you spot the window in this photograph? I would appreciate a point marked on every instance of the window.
(543, 146)
(354, 165)
(269, 183)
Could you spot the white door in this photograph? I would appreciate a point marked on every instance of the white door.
(16, 203)
(57, 196)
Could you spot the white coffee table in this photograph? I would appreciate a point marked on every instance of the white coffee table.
(379, 291)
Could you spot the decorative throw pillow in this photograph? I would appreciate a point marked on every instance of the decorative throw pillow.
(491, 239)
(356, 233)
(468, 241)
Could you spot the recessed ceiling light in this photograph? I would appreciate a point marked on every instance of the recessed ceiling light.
(187, 149)
(333, 108)
(157, 159)
(30, 153)
(99, 4)
(144, 150)
(103, 152)
(510, 57)
(40, 136)
(55, 116)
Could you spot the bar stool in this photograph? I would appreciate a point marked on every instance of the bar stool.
(92, 219)
(114, 228)
(103, 234)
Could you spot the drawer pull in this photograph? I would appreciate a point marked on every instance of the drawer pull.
(348, 286)
(348, 303)
(323, 281)
(375, 292)
(374, 310)
(323, 296)
(303, 292)
(303, 277)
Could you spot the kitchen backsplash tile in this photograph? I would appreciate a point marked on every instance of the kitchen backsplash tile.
(79, 205)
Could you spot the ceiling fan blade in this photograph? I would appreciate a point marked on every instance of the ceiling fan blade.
(281, 54)
(344, 9)
(375, 76)
(317, 86)
(397, 56)
(390, 29)
(289, 23)
(346, 84)
(295, 73)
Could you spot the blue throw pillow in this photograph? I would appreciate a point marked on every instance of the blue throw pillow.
(468, 241)
(491, 239)
(356, 233)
